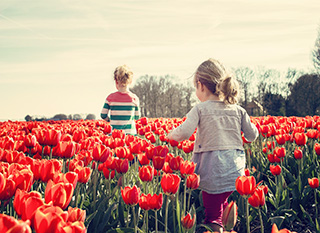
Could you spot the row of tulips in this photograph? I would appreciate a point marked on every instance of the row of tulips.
(108, 165)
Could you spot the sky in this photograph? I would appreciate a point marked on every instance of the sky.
(58, 56)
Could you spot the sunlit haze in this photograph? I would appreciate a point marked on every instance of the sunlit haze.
(59, 56)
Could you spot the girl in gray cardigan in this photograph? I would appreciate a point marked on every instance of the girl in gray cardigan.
(218, 150)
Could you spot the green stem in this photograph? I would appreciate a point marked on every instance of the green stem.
(42, 151)
(166, 214)
(174, 216)
(261, 221)
(247, 216)
(147, 221)
(51, 148)
(315, 201)
(134, 219)
(76, 195)
(189, 199)
(95, 180)
(156, 220)
(63, 166)
(185, 195)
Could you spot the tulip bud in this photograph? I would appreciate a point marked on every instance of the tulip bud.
(229, 217)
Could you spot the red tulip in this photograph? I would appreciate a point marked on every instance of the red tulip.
(300, 139)
(30, 140)
(229, 216)
(100, 153)
(76, 214)
(143, 202)
(2, 182)
(187, 221)
(281, 140)
(247, 172)
(275, 170)
(79, 135)
(150, 151)
(280, 152)
(23, 178)
(9, 189)
(317, 148)
(298, 153)
(166, 168)
(69, 177)
(150, 136)
(130, 196)
(193, 181)
(122, 165)
(60, 194)
(49, 168)
(175, 163)
(313, 182)
(74, 163)
(143, 159)
(9, 224)
(187, 167)
(25, 204)
(118, 134)
(146, 173)
(66, 149)
(273, 158)
(84, 174)
(275, 230)
(161, 151)
(77, 227)
(313, 133)
(155, 201)
(41, 136)
(257, 199)
(245, 185)
(173, 143)
(122, 152)
(52, 137)
(108, 174)
(170, 183)
(49, 219)
(144, 120)
(158, 162)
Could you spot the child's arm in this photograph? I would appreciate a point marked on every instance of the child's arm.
(187, 128)
(250, 131)
(137, 113)
(105, 111)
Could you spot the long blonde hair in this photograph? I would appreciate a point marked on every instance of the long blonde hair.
(214, 76)
(123, 75)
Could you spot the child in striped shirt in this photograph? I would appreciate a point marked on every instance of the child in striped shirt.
(122, 107)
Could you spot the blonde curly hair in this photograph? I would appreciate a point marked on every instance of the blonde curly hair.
(123, 75)
(214, 76)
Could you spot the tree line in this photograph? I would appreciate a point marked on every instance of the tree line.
(62, 116)
(290, 93)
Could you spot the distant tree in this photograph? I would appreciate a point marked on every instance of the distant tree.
(28, 118)
(245, 76)
(161, 97)
(60, 117)
(274, 104)
(316, 53)
(91, 117)
(304, 98)
(76, 117)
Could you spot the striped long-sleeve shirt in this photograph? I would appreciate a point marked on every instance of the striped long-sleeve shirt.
(122, 110)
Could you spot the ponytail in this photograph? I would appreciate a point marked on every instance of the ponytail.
(229, 90)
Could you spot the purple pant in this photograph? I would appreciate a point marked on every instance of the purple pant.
(214, 205)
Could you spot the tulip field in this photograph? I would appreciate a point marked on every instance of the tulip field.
(82, 176)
